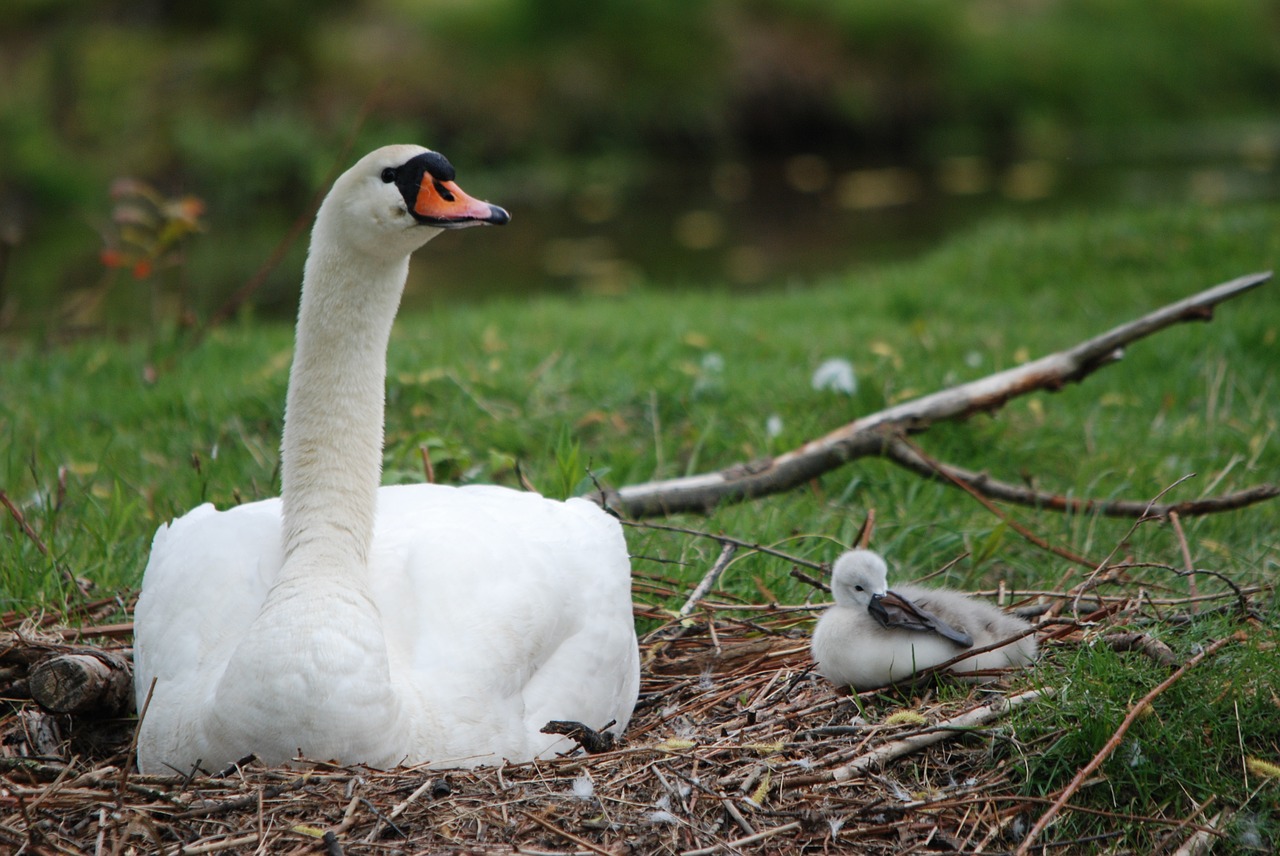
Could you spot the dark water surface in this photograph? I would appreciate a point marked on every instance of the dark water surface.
(762, 225)
(606, 226)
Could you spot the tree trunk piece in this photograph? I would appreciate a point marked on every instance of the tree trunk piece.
(88, 682)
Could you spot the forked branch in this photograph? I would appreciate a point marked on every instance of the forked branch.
(873, 435)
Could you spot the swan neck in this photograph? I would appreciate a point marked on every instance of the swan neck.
(331, 453)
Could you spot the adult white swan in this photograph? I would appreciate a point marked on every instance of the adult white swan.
(411, 624)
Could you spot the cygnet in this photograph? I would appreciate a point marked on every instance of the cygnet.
(873, 636)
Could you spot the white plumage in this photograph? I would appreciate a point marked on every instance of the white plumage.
(413, 624)
(873, 636)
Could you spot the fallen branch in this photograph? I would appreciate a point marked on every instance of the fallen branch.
(1113, 743)
(871, 435)
(905, 456)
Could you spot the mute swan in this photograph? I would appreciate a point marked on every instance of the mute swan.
(873, 636)
(411, 624)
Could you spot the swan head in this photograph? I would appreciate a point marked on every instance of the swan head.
(396, 198)
(859, 578)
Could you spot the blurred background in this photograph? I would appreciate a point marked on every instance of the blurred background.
(155, 156)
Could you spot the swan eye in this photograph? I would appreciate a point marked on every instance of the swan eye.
(388, 175)
(857, 588)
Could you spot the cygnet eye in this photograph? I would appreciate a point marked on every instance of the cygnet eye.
(857, 588)
(388, 175)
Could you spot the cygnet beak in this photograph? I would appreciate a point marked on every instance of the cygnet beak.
(877, 610)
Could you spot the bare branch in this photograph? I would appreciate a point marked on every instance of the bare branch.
(906, 457)
(869, 435)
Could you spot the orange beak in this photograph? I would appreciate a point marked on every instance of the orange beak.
(445, 205)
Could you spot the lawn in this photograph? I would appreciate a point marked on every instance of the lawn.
(103, 439)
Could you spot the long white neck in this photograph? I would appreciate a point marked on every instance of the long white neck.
(331, 455)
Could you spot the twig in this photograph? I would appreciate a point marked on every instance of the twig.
(800, 575)
(270, 792)
(973, 652)
(1144, 644)
(1111, 745)
(1005, 492)
(1104, 570)
(576, 839)
(901, 446)
(709, 579)
(724, 539)
(427, 470)
(1188, 565)
(22, 521)
(740, 842)
(217, 846)
(867, 436)
(887, 752)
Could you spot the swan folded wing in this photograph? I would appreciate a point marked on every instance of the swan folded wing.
(893, 610)
(515, 607)
(206, 579)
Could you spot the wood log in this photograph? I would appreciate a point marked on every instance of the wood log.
(874, 434)
(88, 681)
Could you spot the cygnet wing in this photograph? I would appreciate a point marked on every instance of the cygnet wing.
(894, 610)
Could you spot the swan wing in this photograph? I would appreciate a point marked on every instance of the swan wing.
(205, 581)
(513, 607)
(896, 610)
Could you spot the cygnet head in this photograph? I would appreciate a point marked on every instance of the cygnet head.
(397, 198)
(858, 577)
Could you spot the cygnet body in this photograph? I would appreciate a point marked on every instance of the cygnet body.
(873, 636)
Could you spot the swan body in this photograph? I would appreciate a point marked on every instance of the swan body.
(873, 636)
(416, 624)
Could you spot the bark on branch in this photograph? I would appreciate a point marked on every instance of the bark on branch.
(89, 682)
(873, 435)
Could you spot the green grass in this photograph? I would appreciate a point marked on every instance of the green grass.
(626, 387)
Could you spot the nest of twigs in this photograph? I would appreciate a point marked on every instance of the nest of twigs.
(736, 746)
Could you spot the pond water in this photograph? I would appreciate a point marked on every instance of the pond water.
(764, 225)
(607, 226)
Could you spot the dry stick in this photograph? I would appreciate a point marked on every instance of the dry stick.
(269, 792)
(1144, 644)
(740, 842)
(904, 447)
(1104, 571)
(725, 539)
(867, 436)
(882, 755)
(576, 839)
(1005, 492)
(1076, 783)
(709, 579)
(133, 743)
(1186, 555)
(216, 846)
(973, 652)
(22, 521)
